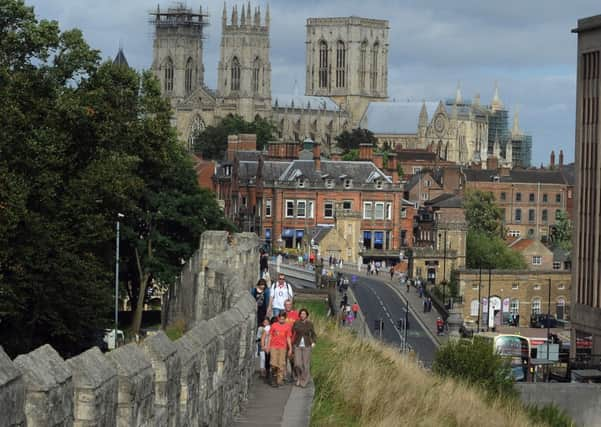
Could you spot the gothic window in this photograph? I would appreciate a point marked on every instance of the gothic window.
(363, 65)
(168, 75)
(197, 126)
(256, 71)
(340, 64)
(235, 79)
(374, 66)
(189, 75)
(323, 64)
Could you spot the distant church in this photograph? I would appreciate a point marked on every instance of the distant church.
(345, 87)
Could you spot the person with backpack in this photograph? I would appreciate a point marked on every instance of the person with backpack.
(279, 293)
(261, 295)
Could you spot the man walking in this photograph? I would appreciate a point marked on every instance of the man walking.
(280, 346)
(279, 293)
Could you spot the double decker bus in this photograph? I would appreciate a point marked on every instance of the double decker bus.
(514, 348)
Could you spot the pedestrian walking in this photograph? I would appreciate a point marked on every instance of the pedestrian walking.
(261, 295)
(425, 306)
(429, 304)
(263, 340)
(278, 294)
(304, 341)
(439, 326)
(355, 308)
(391, 273)
(280, 345)
(349, 315)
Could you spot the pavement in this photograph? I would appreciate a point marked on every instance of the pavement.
(286, 406)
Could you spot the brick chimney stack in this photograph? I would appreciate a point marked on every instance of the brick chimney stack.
(366, 152)
(552, 164)
(317, 155)
(560, 159)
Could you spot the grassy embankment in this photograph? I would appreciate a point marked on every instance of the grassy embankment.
(364, 383)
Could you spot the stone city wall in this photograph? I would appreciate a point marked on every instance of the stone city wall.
(198, 380)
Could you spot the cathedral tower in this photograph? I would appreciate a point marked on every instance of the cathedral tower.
(347, 60)
(244, 71)
(177, 50)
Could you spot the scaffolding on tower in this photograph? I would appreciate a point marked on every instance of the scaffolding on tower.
(180, 16)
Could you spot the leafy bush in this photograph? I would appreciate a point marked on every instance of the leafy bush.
(474, 362)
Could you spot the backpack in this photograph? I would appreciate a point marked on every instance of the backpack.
(288, 289)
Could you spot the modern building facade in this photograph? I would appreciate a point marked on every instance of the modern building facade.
(586, 258)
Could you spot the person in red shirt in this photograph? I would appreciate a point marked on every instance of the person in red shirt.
(355, 308)
(280, 345)
(291, 317)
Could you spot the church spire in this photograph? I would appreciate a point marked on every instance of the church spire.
(235, 15)
(258, 17)
(497, 104)
(267, 17)
(248, 21)
(224, 16)
(516, 124)
(458, 97)
(242, 17)
(423, 116)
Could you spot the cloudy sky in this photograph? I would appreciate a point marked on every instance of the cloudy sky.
(524, 45)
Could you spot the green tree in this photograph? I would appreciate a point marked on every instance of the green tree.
(211, 142)
(474, 362)
(351, 155)
(348, 141)
(491, 252)
(562, 233)
(482, 213)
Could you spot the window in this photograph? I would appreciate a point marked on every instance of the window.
(545, 197)
(348, 183)
(256, 73)
(374, 66)
(301, 182)
(424, 196)
(363, 65)
(416, 169)
(514, 233)
(379, 210)
(545, 215)
(379, 184)
(557, 214)
(530, 233)
(388, 210)
(556, 265)
(340, 64)
(514, 306)
(474, 286)
(329, 183)
(378, 240)
(531, 197)
(518, 197)
(537, 260)
(536, 308)
(515, 286)
(347, 205)
(189, 75)
(168, 75)
(503, 196)
(243, 200)
(367, 239)
(537, 287)
(560, 308)
(268, 207)
(323, 65)
(531, 215)
(328, 210)
(518, 215)
(474, 307)
(558, 198)
(426, 182)
(289, 208)
(367, 210)
(403, 212)
(561, 286)
(301, 209)
(235, 71)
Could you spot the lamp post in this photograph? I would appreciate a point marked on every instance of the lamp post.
(488, 301)
(444, 268)
(479, 296)
(119, 216)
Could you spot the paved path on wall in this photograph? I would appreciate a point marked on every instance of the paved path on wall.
(286, 406)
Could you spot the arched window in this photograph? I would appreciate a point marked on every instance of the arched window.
(168, 75)
(197, 126)
(374, 65)
(363, 65)
(340, 64)
(560, 309)
(256, 74)
(235, 78)
(536, 306)
(189, 75)
(323, 65)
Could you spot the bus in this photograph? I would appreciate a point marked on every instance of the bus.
(514, 348)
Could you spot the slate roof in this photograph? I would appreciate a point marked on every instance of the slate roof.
(248, 155)
(561, 255)
(359, 172)
(394, 117)
(301, 101)
(446, 200)
(273, 169)
(415, 155)
(517, 176)
(414, 180)
(247, 171)
(521, 244)
(569, 173)
(120, 58)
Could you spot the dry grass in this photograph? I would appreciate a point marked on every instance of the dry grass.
(379, 387)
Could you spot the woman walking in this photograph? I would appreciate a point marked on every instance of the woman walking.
(304, 340)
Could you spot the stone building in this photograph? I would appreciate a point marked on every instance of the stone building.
(513, 292)
(536, 255)
(586, 319)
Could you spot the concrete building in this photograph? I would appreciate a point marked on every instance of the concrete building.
(513, 292)
(586, 258)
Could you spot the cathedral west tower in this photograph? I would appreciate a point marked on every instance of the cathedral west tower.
(347, 60)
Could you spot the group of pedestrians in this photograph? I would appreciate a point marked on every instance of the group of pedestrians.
(334, 262)
(285, 336)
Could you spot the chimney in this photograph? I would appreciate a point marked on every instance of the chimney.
(392, 160)
(365, 152)
(552, 164)
(232, 146)
(317, 155)
(247, 142)
(492, 163)
(560, 159)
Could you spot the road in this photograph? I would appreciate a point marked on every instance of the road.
(378, 301)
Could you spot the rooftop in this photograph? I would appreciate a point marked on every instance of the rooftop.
(533, 176)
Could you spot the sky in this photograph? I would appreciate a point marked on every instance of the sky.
(525, 46)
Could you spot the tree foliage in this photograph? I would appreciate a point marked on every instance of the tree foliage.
(211, 142)
(491, 252)
(482, 213)
(562, 232)
(474, 362)
(81, 141)
(348, 141)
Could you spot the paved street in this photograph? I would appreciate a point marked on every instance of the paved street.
(378, 301)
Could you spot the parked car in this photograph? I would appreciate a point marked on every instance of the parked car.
(543, 321)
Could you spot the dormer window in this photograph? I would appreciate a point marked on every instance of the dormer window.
(329, 183)
(348, 183)
(301, 182)
(379, 184)
(227, 170)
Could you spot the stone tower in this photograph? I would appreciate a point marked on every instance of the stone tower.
(347, 60)
(244, 71)
(177, 50)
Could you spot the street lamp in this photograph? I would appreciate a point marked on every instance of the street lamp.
(119, 216)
